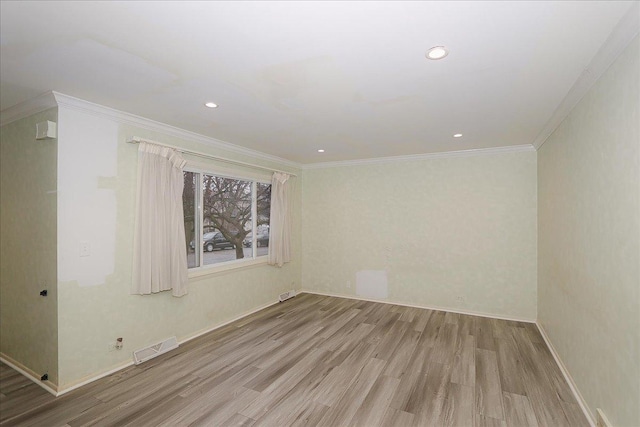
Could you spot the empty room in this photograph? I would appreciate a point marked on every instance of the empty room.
(287, 213)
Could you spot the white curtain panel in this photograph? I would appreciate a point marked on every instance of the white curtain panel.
(280, 220)
(159, 260)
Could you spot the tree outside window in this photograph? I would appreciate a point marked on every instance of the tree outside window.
(231, 210)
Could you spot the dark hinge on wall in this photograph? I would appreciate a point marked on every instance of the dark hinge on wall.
(45, 377)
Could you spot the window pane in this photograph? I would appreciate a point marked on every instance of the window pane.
(226, 218)
(190, 211)
(264, 212)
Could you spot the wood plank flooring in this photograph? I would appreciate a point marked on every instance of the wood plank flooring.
(323, 361)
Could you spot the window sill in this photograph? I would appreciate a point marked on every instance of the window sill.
(227, 266)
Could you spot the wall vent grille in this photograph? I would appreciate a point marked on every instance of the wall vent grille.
(154, 350)
(285, 296)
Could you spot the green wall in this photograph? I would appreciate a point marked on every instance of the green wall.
(97, 178)
(456, 233)
(589, 241)
(28, 239)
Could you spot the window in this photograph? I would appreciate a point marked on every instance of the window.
(225, 219)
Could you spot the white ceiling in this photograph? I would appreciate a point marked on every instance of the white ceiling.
(293, 77)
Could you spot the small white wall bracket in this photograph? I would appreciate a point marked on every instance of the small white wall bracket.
(46, 130)
(602, 420)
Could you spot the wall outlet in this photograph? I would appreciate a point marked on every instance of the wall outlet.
(115, 345)
(460, 299)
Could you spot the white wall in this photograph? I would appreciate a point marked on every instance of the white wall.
(28, 322)
(439, 229)
(96, 201)
(589, 241)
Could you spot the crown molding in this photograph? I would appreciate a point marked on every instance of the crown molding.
(413, 157)
(70, 102)
(56, 99)
(618, 40)
(28, 108)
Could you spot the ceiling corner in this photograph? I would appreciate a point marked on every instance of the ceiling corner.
(28, 108)
(626, 30)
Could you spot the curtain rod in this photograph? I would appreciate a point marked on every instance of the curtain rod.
(137, 140)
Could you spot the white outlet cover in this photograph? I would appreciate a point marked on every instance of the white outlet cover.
(85, 249)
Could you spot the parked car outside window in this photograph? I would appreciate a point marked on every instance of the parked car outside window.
(212, 241)
(263, 240)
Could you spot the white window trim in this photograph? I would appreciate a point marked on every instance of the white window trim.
(205, 270)
(224, 174)
(226, 266)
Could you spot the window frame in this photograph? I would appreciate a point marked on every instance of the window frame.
(203, 270)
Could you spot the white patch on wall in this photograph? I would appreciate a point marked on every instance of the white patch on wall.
(87, 151)
(372, 284)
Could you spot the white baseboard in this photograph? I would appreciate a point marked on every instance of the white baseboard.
(47, 385)
(568, 377)
(427, 307)
(181, 341)
(94, 378)
(563, 368)
(52, 388)
(245, 314)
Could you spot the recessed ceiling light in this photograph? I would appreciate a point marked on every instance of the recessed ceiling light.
(437, 52)
(211, 105)
(457, 135)
(321, 151)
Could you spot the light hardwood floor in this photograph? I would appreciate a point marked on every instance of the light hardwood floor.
(325, 361)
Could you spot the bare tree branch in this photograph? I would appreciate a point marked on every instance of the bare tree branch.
(227, 205)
